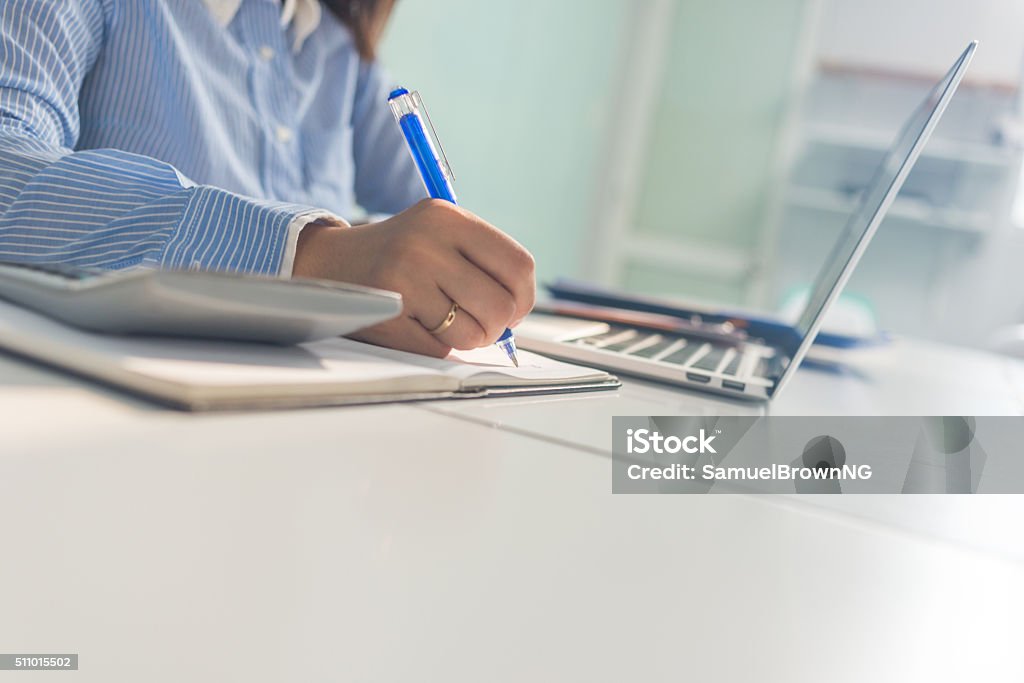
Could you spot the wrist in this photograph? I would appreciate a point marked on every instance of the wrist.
(312, 251)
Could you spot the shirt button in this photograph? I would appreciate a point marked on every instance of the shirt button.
(284, 134)
(267, 53)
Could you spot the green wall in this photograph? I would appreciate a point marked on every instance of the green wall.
(519, 93)
(715, 133)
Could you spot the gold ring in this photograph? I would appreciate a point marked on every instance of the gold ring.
(448, 320)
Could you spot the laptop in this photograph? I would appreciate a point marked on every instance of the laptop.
(736, 357)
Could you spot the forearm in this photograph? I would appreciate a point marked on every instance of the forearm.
(105, 207)
(112, 209)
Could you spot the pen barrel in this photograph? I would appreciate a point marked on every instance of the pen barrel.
(423, 146)
(428, 161)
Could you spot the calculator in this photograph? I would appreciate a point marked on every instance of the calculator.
(195, 304)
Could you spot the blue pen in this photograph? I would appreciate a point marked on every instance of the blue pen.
(434, 169)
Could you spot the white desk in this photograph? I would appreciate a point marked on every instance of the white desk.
(479, 541)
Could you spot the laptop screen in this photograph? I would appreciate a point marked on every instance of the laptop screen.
(873, 203)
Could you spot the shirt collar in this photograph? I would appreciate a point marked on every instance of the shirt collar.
(303, 15)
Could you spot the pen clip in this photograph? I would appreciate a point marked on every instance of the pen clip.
(418, 104)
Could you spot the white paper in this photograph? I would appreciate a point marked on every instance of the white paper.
(489, 365)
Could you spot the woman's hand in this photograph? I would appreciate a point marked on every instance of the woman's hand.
(433, 254)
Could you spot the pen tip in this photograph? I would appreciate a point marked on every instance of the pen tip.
(508, 344)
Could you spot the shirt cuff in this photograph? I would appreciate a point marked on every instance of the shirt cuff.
(292, 239)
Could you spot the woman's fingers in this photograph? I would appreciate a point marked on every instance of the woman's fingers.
(514, 270)
(478, 294)
(501, 257)
(404, 334)
(431, 306)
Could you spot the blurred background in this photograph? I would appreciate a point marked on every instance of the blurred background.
(712, 150)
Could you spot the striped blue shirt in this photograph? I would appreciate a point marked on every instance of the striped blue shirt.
(148, 132)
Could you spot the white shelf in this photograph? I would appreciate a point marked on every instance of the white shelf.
(913, 210)
(937, 148)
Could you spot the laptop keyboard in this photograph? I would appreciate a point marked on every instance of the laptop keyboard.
(681, 356)
(700, 358)
(712, 359)
(733, 366)
(654, 345)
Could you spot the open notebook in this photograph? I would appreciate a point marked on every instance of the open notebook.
(204, 375)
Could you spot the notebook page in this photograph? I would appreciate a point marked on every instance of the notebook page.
(211, 368)
(489, 366)
(246, 366)
(195, 370)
